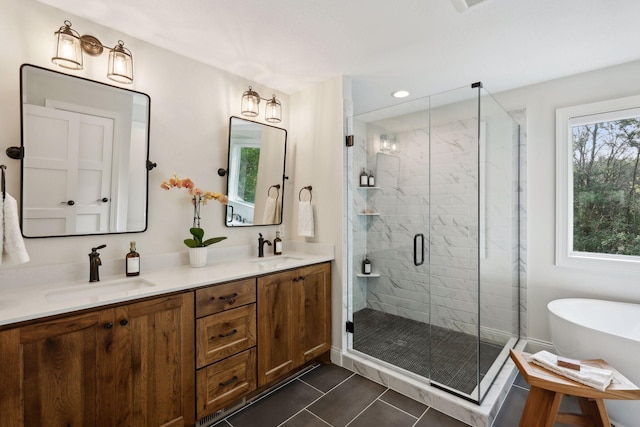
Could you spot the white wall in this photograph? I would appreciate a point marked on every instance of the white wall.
(317, 147)
(190, 108)
(545, 281)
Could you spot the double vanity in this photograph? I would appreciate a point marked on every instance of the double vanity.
(171, 347)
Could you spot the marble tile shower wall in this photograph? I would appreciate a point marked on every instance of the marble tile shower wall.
(402, 200)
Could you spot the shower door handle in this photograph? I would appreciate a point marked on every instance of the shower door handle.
(415, 249)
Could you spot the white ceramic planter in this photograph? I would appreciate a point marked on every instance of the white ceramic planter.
(198, 257)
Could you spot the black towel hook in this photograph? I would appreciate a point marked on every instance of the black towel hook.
(308, 188)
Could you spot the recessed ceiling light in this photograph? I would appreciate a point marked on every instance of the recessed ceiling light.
(400, 94)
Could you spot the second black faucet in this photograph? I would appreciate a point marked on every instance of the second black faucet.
(261, 242)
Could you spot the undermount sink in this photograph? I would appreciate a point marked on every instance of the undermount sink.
(99, 291)
(275, 261)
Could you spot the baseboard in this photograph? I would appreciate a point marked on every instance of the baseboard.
(534, 346)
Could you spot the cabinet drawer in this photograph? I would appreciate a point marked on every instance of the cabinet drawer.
(215, 299)
(223, 334)
(224, 382)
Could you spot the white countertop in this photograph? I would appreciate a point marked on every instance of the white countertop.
(20, 302)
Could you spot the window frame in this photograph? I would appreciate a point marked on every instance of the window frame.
(565, 255)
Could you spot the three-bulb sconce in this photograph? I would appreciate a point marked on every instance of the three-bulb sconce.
(250, 106)
(389, 144)
(70, 45)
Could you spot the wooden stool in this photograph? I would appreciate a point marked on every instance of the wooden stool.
(548, 389)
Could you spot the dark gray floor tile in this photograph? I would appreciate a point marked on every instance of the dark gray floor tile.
(326, 377)
(519, 381)
(403, 402)
(512, 408)
(344, 402)
(305, 419)
(277, 407)
(434, 418)
(382, 414)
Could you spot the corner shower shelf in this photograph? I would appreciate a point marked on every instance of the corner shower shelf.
(369, 188)
(369, 214)
(367, 275)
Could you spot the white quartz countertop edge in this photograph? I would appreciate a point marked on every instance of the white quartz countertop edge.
(30, 302)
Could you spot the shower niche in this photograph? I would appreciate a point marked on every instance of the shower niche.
(441, 229)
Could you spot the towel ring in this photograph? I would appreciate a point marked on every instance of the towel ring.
(308, 188)
(3, 183)
(277, 187)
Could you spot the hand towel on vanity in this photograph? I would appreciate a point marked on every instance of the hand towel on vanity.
(587, 375)
(271, 211)
(13, 249)
(305, 219)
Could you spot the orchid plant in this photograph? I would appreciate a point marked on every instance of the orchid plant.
(198, 197)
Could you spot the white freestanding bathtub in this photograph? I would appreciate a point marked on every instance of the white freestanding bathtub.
(598, 329)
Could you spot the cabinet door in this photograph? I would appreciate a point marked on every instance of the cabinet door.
(312, 290)
(56, 368)
(160, 356)
(276, 313)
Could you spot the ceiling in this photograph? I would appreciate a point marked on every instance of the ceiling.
(423, 46)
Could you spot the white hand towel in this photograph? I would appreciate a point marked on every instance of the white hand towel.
(13, 249)
(271, 211)
(588, 375)
(305, 219)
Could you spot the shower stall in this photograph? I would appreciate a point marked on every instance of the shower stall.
(439, 300)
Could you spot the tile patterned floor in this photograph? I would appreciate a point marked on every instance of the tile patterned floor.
(331, 396)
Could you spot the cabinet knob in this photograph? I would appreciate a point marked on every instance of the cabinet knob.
(68, 202)
(108, 325)
(124, 322)
(303, 277)
(103, 200)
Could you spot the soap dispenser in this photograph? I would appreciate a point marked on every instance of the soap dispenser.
(372, 180)
(133, 261)
(364, 178)
(277, 244)
(366, 265)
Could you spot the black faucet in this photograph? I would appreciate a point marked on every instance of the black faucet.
(94, 263)
(261, 243)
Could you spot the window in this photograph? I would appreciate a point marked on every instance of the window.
(246, 158)
(598, 183)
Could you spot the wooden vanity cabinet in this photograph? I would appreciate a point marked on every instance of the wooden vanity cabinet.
(225, 344)
(294, 319)
(131, 365)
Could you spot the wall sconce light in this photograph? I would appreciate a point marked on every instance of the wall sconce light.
(389, 144)
(395, 145)
(70, 44)
(250, 107)
(385, 145)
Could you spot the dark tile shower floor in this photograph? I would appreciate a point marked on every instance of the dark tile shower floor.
(445, 356)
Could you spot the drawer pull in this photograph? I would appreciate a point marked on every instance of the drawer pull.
(229, 382)
(231, 298)
(228, 334)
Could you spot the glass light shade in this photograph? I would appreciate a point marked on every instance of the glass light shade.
(250, 101)
(120, 64)
(273, 113)
(395, 146)
(68, 51)
(384, 144)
